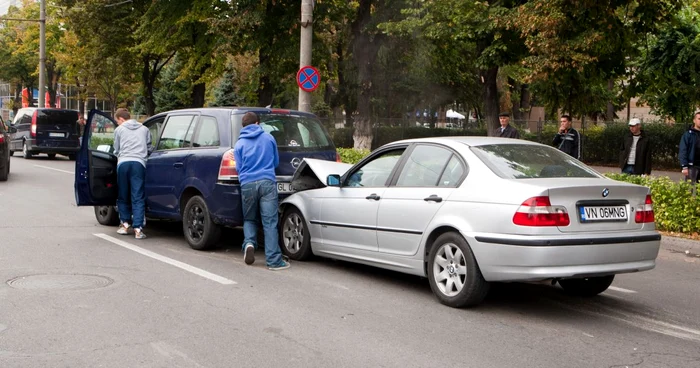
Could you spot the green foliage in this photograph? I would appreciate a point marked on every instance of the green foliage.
(675, 208)
(98, 141)
(351, 155)
(225, 91)
(174, 92)
(343, 137)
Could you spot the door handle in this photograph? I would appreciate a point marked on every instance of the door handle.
(373, 196)
(433, 198)
(178, 165)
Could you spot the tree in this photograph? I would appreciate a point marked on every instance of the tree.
(225, 91)
(174, 91)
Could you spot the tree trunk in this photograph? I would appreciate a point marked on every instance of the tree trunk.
(525, 98)
(490, 96)
(365, 47)
(148, 83)
(514, 86)
(610, 116)
(198, 94)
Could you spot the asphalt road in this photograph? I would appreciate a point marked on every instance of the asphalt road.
(76, 294)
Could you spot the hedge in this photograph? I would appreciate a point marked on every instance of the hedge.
(600, 144)
(676, 209)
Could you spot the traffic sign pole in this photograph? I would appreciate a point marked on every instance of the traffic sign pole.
(307, 9)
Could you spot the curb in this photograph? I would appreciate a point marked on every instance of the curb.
(680, 244)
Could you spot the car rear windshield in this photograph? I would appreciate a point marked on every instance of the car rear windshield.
(526, 161)
(294, 133)
(46, 117)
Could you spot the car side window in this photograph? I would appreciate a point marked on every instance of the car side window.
(176, 133)
(376, 172)
(424, 166)
(155, 127)
(207, 133)
(453, 172)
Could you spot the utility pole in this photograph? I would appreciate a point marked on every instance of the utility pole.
(42, 52)
(307, 10)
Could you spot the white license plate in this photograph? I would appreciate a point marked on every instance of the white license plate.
(603, 213)
(284, 188)
(57, 135)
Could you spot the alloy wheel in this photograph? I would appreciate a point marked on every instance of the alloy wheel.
(293, 233)
(195, 223)
(450, 269)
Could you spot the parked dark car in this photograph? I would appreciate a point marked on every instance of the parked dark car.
(191, 174)
(5, 150)
(45, 130)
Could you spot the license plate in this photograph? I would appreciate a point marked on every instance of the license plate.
(57, 135)
(284, 188)
(603, 213)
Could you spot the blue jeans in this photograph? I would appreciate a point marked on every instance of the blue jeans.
(132, 194)
(628, 169)
(261, 197)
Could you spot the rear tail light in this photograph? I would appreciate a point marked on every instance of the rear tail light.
(280, 111)
(36, 112)
(2, 138)
(227, 170)
(645, 212)
(538, 211)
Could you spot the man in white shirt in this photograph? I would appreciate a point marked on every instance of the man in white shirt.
(635, 151)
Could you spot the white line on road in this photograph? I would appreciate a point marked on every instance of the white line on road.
(627, 291)
(170, 261)
(51, 168)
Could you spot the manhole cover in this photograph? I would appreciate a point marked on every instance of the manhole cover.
(60, 282)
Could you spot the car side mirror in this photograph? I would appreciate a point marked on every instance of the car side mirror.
(333, 180)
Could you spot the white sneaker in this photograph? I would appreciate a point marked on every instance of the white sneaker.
(138, 234)
(123, 229)
(249, 254)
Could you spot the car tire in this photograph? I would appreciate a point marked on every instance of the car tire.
(200, 230)
(51, 155)
(107, 215)
(5, 171)
(586, 287)
(295, 239)
(25, 151)
(71, 157)
(12, 153)
(451, 263)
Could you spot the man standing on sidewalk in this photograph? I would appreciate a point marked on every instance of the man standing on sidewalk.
(689, 152)
(506, 130)
(635, 151)
(132, 144)
(256, 158)
(567, 139)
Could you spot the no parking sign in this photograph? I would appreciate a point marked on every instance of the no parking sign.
(308, 78)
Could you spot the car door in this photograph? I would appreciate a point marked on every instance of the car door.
(348, 215)
(96, 167)
(22, 124)
(166, 169)
(155, 126)
(426, 179)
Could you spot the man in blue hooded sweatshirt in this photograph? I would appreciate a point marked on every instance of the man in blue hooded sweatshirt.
(256, 158)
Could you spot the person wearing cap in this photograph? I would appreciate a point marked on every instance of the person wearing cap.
(635, 150)
(689, 152)
(507, 131)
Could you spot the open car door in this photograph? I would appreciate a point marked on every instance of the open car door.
(96, 165)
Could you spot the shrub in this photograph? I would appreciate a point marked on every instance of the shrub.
(351, 155)
(675, 208)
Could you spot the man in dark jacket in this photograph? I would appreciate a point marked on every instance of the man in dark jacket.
(635, 151)
(506, 130)
(567, 139)
(689, 152)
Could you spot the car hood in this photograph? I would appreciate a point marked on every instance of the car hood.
(312, 173)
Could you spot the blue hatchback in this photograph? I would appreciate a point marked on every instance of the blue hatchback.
(191, 174)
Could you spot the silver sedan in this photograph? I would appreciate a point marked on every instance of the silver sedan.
(468, 211)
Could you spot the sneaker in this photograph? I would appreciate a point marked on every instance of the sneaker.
(123, 229)
(249, 254)
(138, 234)
(282, 266)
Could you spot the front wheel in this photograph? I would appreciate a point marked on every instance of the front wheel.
(200, 231)
(453, 273)
(107, 215)
(294, 235)
(589, 286)
(25, 151)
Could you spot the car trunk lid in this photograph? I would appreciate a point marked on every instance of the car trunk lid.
(59, 125)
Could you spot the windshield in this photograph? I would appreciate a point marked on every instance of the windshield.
(526, 161)
(293, 133)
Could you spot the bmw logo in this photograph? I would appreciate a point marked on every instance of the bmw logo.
(606, 192)
(296, 161)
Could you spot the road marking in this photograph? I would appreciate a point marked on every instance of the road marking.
(627, 291)
(170, 261)
(51, 168)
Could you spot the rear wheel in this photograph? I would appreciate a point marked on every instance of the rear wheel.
(589, 286)
(51, 155)
(453, 273)
(12, 153)
(200, 231)
(107, 215)
(25, 151)
(294, 235)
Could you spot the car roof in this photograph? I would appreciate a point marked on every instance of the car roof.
(468, 140)
(242, 109)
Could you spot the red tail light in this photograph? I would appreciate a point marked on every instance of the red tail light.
(227, 170)
(2, 138)
(280, 111)
(36, 112)
(645, 212)
(538, 211)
